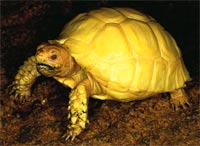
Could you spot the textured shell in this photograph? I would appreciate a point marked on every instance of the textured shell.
(125, 50)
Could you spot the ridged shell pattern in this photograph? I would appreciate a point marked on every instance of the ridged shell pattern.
(125, 51)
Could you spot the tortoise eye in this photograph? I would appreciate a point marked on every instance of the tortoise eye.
(53, 57)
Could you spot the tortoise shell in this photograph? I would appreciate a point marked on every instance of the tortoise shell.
(125, 51)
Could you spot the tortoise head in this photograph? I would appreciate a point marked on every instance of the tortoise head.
(54, 61)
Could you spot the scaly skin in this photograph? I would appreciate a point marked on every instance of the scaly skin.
(179, 99)
(78, 103)
(78, 111)
(24, 79)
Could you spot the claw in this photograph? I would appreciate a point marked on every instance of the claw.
(188, 104)
(11, 85)
(173, 107)
(11, 89)
(16, 96)
(177, 106)
(64, 135)
(185, 105)
(179, 99)
(73, 137)
(69, 116)
(22, 100)
(67, 137)
(10, 92)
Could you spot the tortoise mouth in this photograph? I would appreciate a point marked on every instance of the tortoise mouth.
(47, 70)
(45, 66)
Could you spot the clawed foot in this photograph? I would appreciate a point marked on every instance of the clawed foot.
(72, 133)
(179, 99)
(21, 93)
(176, 104)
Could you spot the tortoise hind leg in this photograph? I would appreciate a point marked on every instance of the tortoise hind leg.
(179, 98)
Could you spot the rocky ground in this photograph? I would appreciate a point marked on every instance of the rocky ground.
(44, 120)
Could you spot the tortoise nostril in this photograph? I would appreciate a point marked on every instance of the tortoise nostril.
(53, 57)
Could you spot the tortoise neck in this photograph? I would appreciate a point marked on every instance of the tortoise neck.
(76, 68)
(70, 68)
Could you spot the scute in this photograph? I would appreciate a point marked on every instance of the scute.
(107, 15)
(142, 79)
(125, 51)
(159, 76)
(168, 47)
(124, 74)
(133, 14)
(110, 49)
(141, 39)
(83, 28)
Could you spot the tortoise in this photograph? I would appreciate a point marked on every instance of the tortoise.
(116, 54)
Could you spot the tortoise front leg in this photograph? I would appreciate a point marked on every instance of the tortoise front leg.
(24, 79)
(78, 109)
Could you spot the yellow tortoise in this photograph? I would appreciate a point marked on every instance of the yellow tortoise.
(109, 54)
